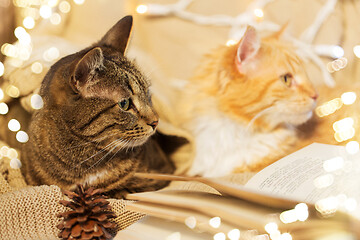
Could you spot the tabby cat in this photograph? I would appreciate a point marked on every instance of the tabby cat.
(244, 103)
(97, 125)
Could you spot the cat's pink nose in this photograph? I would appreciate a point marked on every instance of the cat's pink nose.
(315, 96)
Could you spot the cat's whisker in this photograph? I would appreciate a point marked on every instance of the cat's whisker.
(102, 150)
(257, 116)
(98, 140)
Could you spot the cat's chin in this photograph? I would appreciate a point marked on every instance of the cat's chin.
(298, 119)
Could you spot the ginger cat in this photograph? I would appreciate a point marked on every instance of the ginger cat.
(245, 103)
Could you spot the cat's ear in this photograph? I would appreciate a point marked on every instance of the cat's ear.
(86, 67)
(118, 36)
(248, 47)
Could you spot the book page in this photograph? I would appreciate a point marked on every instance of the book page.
(318, 173)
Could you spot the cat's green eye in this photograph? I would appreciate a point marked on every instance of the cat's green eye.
(287, 79)
(124, 104)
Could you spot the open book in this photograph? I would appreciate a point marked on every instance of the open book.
(310, 194)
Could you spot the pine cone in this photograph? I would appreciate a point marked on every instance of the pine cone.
(89, 216)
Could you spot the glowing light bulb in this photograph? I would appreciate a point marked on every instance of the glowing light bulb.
(271, 227)
(141, 9)
(220, 236)
(190, 222)
(36, 101)
(4, 109)
(337, 52)
(285, 236)
(45, 11)
(352, 147)
(12, 153)
(234, 234)
(4, 150)
(12, 91)
(36, 67)
(55, 19)
(52, 3)
(350, 204)
(231, 42)
(348, 98)
(174, 236)
(51, 54)
(22, 137)
(2, 69)
(79, 2)
(333, 164)
(343, 124)
(1, 94)
(64, 7)
(215, 222)
(327, 206)
(324, 181)
(258, 13)
(302, 212)
(29, 22)
(15, 163)
(14, 125)
(356, 50)
(288, 216)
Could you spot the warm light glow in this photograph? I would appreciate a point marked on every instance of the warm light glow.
(190, 222)
(329, 107)
(327, 206)
(333, 164)
(337, 52)
(12, 91)
(352, 147)
(215, 222)
(22, 35)
(220, 236)
(356, 50)
(14, 125)
(288, 216)
(79, 2)
(36, 67)
(36, 101)
(9, 50)
(324, 181)
(302, 212)
(343, 124)
(12, 153)
(142, 9)
(52, 3)
(15, 163)
(348, 98)
(2, 70)
(1, 94)
(258, 13)
(55, 19)
(350, 204)
(271, 227)
(231, 42)
(174, 236)
(285, 236)
(344, 135)
(234, 234)
(4, 150)
(29, 22)
(22, 136)
(45, 11)
(51, 54)
(64, 7)
(4, 109)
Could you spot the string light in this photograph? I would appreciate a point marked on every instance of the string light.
(352, 147)
(29, 22)
(329, 107)
(79, 2)
(14, 125)
(36, 67)
(141, 9)
(231, 42)
(174, 236)
(4, 109)
(234, 234)
(15, 163)
(348, 98)
(64, 7)
(215, 222)
(356, 50)
(1, 94)
(327, 206)
(259, 14)
(12, 91)
(51, 54)
(220, 236)
(333, 164)
(22, 137)
(45, 11)
(55, 19)
(324, 181)
(190, 222)
(2, 69)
